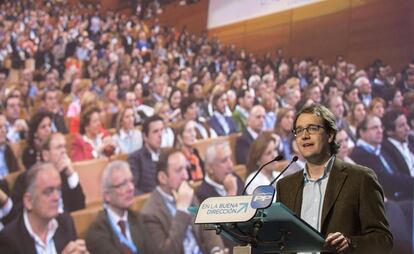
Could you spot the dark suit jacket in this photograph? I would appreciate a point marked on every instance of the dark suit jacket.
(396, 158)
(353, 205)
(102, 239)
(215, 125)
(15, 239)
(11, 160)
(205, 190)
(144, 170)
(73, 199)
(242, 147)
(168, 233)
(396, 186)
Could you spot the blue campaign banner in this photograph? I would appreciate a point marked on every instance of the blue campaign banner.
(262, 197)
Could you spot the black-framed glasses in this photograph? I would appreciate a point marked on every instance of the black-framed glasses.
(311, 129)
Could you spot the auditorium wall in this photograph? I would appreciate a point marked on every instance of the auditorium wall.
(360, 30)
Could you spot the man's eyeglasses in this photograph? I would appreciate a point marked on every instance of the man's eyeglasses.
(311, 129)
(123, 184)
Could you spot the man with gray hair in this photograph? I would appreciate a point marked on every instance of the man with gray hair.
(220, 179)
(117, 229)
(41, 228)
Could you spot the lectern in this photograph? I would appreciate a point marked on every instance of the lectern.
(271, 228)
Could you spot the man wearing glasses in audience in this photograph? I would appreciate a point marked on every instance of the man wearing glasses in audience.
(117, 229)
(344, 202)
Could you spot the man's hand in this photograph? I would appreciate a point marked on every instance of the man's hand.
(20, 125)
(65, 163)
(230, 184)
(337, 241)
(3, 198)
(183, 196)
(75, 247)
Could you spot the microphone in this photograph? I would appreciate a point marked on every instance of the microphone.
(277, 158)
(295, 158)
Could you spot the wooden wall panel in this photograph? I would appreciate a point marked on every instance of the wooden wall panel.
(361, 30)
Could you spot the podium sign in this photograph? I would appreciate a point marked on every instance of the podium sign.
(225, 210)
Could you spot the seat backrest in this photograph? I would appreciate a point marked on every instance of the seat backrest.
(83, 219)
(11, 178)
(90, 172)
(241, 171)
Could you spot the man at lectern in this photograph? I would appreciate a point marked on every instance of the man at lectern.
(343, 201)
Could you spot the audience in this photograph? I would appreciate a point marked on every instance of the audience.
(128, 139)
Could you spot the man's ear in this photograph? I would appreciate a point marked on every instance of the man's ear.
(45, 155)
(162, 178)
(28, 201)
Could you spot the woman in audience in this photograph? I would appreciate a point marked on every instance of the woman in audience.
(174, 100)
(394, 98)
(283, 128)
(185, 139)
(111, 99)
(355, 115)
(93, 141)
(377, 107)
(40, 127)
(162, 109)
(351, 96)
(342, 140)
(127, 138)
(262, 150)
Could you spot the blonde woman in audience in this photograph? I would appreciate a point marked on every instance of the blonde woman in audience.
(127, 138)
(111, 99)
(283, 128)
(342, 140)
(355, 115)
(163, 110)
(262, 150)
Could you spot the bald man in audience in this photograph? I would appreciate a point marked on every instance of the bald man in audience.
(255, 123)
(41, 228)
(117, 229)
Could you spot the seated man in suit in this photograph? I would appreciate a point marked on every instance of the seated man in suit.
(255, 123)
(51, 104)
(16, 126)
(368, 152)
(220, 179)
(117, 229)
(41, 228)
(72, 196)
(396, 145)
(143, 161)
(166, 217)
(342, 201)
(223, 125)
(240, 114)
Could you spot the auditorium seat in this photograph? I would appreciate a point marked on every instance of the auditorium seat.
(11, 178)
(201, 145)
(90, 172)
(241, 171)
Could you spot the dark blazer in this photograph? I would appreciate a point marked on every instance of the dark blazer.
(243, 144)
(15, 239)
(353, 205)
(102, 239)
(59, 122)
(215, 125)
(11, 160)
(168, 233)
(73, 199)
(205, 190)
(396, 158)
(396, 186)
(144, 170)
